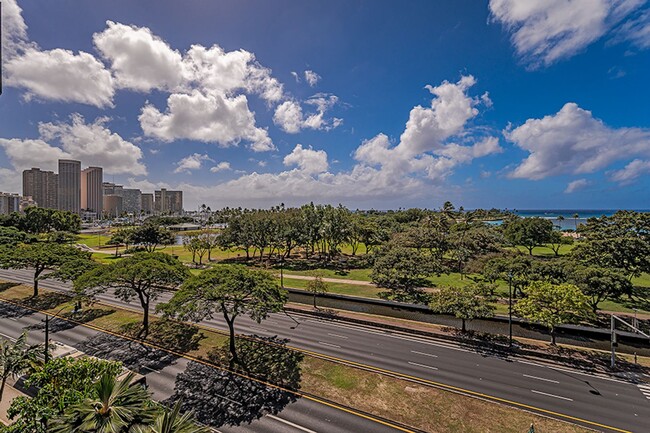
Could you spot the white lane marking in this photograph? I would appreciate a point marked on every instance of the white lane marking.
(337, 335)
(645, 390)
(424, 354)
(13, 318)
(258, 328)
(299, 427)
(329, 344)
(151, 369)
(566, 370)
(540, 378)
(8, 336)
(551, 395)
(422, 365)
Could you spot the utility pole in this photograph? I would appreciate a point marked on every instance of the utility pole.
(614, 341)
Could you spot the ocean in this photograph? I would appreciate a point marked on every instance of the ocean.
(569, 221)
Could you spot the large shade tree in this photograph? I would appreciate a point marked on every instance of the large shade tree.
(465, 303)
(553, 305)
(41, 257)
(229, 291)
(528, 232)
(144, 276)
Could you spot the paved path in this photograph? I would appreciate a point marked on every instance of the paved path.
(329, 280)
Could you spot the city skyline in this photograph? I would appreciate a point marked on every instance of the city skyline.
(481, 103)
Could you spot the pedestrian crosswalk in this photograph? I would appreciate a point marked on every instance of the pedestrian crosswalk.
(645, 389)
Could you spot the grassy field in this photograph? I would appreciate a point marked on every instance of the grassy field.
(421, 407)
(337, 288)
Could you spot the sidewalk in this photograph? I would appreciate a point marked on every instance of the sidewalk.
(9, 394)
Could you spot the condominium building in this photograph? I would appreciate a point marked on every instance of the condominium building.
(112, 205)
(42, 187)
(168, 202)
(9, 203)
(69, 191)
(131, 201)
(147, 203)
(92, 193)
(112, 189)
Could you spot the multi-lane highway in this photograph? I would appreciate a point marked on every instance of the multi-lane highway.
(304, 415)
(601, 402)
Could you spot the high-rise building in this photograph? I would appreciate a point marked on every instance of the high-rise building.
(110, 188)
(91, 190)
(9, 203)
(131, 201)
(147, 203)
(42, 187)
(69, 185)
(168, 202)
(112, 205)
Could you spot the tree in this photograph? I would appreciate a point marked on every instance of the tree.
(39, 220)
(465, 303)
(171, 420)
(621, 241)
(197, 246)
(11, 236)
(15, 359)
(404, 271)
(553, 305)
(599, 283)
(120, 237)
(144, 276)
(316, 286)
(528, 232)
(150, 236)
(40, 256)
(556, 240)
(230, 291)
(113, 406)
(61, 383)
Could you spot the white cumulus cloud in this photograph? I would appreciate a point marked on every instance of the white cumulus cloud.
(572, 141)
(191, 162)
(61, 75)
(140, 60)
(631, 172)
(544, 32)
(312, 78)
(308, 160)
(290, 118)
(222, 166)
(576, 185)
(205, 117)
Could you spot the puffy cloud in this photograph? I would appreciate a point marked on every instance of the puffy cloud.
(424, 145)
(93, 144)
(573, 141)
(25, 154)
(544, 32)
(140, 60)
(290, 118)
(61, 75)
(191, 162)
(308, 160)
(312, 78)
(14, 30)
(222, 166)
(631, 171)
(205, 117)
(576, 185)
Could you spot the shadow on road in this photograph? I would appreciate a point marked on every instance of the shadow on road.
(13, 311)
(219, 397)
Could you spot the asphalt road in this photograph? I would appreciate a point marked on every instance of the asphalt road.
(301, 416)
(556, 391)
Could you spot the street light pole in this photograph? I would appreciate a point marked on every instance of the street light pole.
(282, 272)
(47, 331)
(510, 308)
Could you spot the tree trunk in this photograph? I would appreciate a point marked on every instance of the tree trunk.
(315, 300)
(231, 331)
(37, 273)
(552, 336)
(464, 329)
(2, 386)
(145, 322)
(530, 250)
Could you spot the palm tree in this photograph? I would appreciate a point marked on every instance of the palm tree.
(15, 359)
(559, 219)
(114, 407)
(575, 219)
(172, 421)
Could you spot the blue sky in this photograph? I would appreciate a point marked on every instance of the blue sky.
(505, 103)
